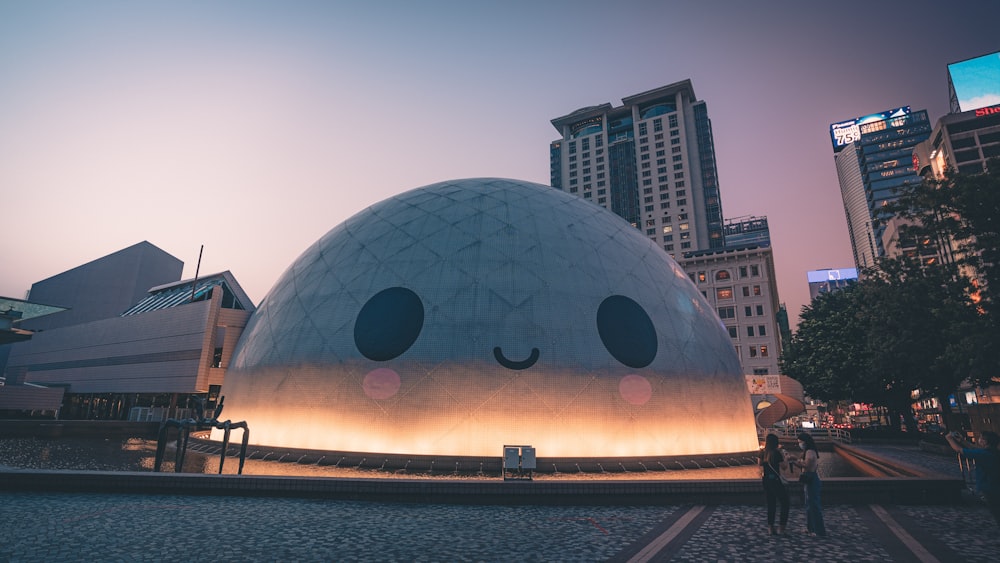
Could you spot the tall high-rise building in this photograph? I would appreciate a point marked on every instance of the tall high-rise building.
(650, 160)
(873, 158)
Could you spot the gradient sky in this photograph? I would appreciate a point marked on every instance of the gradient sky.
(253, 128)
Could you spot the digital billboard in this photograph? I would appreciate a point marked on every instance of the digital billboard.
(848, 131)
(832, 275)
(976, 82)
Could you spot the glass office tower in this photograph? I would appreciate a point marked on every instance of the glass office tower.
(873, 155)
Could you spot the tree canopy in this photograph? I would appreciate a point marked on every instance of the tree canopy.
(912, 323)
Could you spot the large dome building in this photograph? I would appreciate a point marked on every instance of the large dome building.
(459, 317)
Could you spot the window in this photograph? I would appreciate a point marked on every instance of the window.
(743, 271)
(642, 129)
(748, 311)
(702, 277)
(668, 238)
(665, 205)
(684, 226)
(754, 270)
(668, 228)
(682, 202)
(732, 331)
(602, 200)
(746, 291)
(753, 351)
(724, 293)
(722, 275)
(650, 231)
(668, 247)
(727, 312)
(760, 310)
(763, 351)
(649, 208)
(760, 371)
(672, 120)
(749, 331)
(685, 245)
(756, 290)
(761, 330)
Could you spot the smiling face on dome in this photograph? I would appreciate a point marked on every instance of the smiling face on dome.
(458, 317)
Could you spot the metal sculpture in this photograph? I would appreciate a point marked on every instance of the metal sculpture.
(199, 422)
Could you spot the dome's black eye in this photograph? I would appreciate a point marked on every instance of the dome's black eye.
(389, 324)
(626, 331)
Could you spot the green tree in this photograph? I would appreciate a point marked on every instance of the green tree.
(961, 213)
(896, 331)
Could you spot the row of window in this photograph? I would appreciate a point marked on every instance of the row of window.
(753, 270)
(753, 350)
(729, 312)
(760, 330)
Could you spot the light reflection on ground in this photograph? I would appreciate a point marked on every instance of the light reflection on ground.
(136, 454)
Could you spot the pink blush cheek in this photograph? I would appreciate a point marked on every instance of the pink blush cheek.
(381, 383)
(635, 389)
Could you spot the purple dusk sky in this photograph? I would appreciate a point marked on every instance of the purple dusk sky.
(253, 128)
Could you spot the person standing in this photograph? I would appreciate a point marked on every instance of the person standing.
(987, 458)
(771, 461)
(811, 485)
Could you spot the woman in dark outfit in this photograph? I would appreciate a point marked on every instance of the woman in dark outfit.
(771, 460)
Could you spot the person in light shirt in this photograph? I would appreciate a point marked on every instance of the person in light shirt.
(811, 484)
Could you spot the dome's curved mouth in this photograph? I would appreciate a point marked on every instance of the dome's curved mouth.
(511, 364)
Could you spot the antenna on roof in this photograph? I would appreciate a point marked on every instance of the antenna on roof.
(194, 284)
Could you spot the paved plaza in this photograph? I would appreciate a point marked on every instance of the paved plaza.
(77, 526)
(106, 527)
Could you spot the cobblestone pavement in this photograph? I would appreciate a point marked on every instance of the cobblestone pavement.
(123, 527)
(95, 527)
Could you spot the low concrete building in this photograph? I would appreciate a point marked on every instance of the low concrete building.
(151, 361)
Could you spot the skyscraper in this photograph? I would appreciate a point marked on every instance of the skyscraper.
(873, 155)
(650, 160)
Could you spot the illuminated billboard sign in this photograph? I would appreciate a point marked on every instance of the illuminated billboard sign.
(851, 130)
(976, 81)
(832, 275)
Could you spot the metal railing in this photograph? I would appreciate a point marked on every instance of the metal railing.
(819, 434)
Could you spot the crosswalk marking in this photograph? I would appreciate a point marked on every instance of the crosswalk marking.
(666, 537)
(912, 544)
